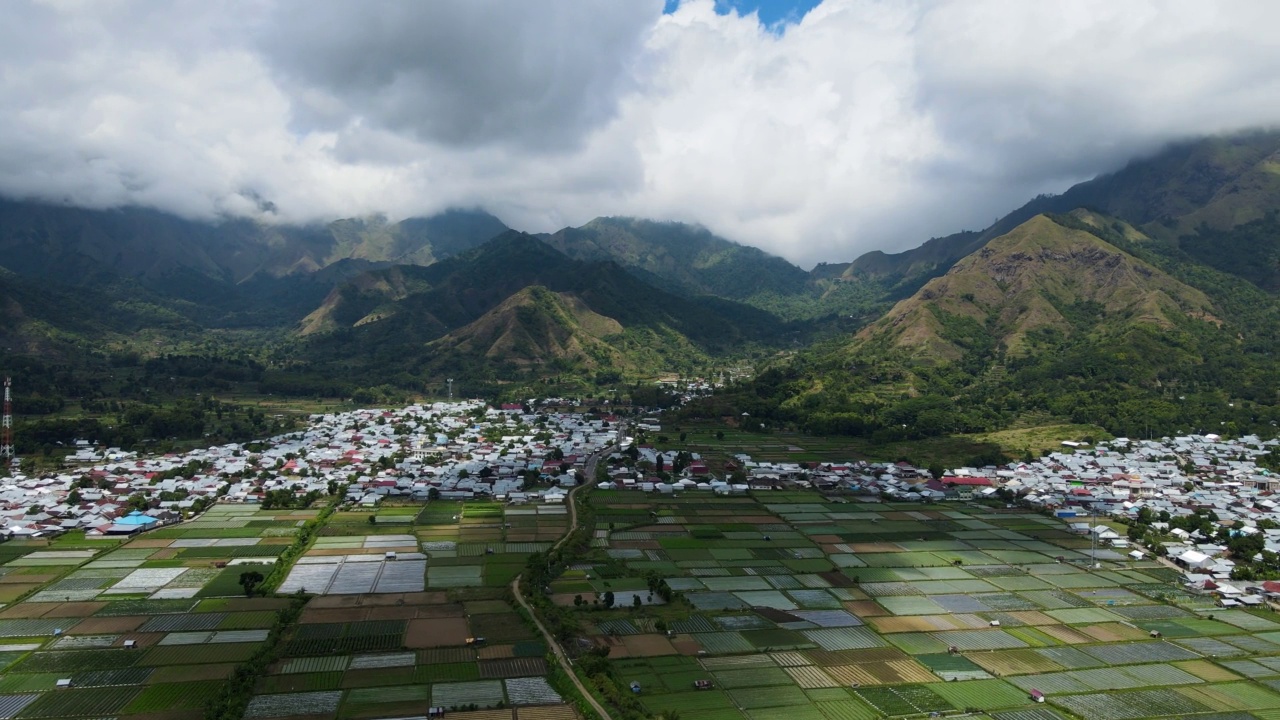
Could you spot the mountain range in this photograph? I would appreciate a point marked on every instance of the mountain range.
(1177, 254)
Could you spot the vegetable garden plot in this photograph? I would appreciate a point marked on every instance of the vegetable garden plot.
(146, 607)
(1077, 616)
(1028, 714)
(72, 702)
(917, 643)
(905, 700)
(11, 705)
(1105, 679)
(483, 693)
(713, 601)
(1150, 612)
(186, 638)
(33, 627)
(104, 678)
(751, 677)
(78, 660)
(765, 697)
(1127, 705)
(455, 576)
(173, 696)
(382, 660)
(683, 584)
(1251, 643)
(1159, 674)
(198, 654)
(730, 584)
(981, 694)
(84, 642)
(178, 623)
(354, 578)
(815, 599)
(889, 589)
(848, 638)
(311, 578)
(723, 642)
(737, 662)
(1246, 621)
(692, 624)
(828, 618)
(1063, 683)
(980, 639)
(960, 603)
(315, 664)
(239, 636)
(284, 704)
(1055, 599)
(1019, 582)
(1069, 657)
(402, 576)
(617, 627)
(1133, 653)
(513, 667)
(911, 605)
(531, 691)
(376, 695)
(1235, 695)
(766, 598)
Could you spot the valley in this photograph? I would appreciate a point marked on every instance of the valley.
(364, 565)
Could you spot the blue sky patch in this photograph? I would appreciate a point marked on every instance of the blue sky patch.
(773, 13)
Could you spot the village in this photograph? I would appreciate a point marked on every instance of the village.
(516, 455)
(448, 451)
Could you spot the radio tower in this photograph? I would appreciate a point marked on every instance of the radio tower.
(6, 424)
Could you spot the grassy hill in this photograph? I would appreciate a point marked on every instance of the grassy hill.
(1040, 278)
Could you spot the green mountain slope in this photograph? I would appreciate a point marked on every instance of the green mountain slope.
(1038, 278)
(535, 326)
(77, 245)
(681, 258)
(1203, 188)
(447, 318)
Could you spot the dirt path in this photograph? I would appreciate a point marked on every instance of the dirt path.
(552, 643)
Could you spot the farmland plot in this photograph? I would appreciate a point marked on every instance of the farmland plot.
(284, 704)
(531, 691)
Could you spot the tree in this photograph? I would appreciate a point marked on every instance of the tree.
(250, 580)
(608, 599)
(720, 435)
(433, 493)
(636, 602)
(577, 601)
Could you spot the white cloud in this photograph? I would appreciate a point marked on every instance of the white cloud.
(865, 125)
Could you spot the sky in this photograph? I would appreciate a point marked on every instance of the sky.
(814, 130)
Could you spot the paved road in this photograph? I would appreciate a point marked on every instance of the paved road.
(552, 643)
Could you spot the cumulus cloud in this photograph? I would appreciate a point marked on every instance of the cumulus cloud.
(863, 125)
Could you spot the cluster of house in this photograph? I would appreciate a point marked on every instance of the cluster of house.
(457, 450)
